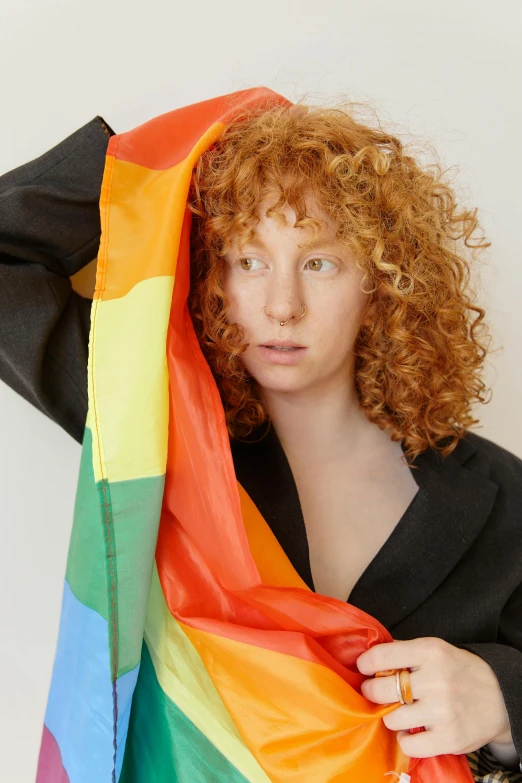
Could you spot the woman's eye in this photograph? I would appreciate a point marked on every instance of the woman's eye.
(246, 263)
(316, 264)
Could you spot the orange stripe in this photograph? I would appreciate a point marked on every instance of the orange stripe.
(159, 197)
(301, 722)
(272, 563)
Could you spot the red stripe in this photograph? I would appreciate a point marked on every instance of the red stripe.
(166, 140)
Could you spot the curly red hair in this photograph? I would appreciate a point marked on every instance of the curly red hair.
(419, 358)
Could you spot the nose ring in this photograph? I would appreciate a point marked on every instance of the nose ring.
(282, 323)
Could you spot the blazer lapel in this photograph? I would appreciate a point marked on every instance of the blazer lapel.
(441, 523)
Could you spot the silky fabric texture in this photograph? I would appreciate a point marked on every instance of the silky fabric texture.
(189, 647)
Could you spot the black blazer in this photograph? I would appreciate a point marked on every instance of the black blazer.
(451, 568)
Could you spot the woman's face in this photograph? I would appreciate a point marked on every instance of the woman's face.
(273, 270)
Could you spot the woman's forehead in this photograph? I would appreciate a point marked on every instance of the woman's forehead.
(312, 204)
(310, 236)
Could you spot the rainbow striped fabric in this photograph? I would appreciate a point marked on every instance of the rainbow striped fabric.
(189, 648)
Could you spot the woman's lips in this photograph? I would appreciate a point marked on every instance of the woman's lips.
(275, 356)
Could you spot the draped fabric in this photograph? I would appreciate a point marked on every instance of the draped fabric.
(189, 648)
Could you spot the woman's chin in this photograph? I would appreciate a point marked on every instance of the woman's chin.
(281, 379)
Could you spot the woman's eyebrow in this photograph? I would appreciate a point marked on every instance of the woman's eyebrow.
(320, 243)
(327, 242)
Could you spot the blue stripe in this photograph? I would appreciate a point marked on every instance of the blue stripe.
(79, 709)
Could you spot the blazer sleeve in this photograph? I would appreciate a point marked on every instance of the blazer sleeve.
(49, 230)
(505, 658)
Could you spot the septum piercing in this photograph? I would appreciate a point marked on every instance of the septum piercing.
(282, 323)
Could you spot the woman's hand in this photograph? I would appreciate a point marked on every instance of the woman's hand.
(457, 696)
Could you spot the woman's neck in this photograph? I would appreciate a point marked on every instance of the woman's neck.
(327, 427)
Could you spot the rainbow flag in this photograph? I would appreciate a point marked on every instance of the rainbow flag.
(189, 648)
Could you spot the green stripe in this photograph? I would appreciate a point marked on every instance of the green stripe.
(134, 509)
(163, 745)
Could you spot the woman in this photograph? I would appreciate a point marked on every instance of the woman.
(395, 351)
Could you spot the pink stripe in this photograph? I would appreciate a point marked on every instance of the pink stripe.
(50, 769)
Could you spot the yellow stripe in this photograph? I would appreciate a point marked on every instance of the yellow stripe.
(185, 680)
(129, 382)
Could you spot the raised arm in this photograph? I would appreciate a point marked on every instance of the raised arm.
(49, 230)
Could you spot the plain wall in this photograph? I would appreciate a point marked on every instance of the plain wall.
(447, 72)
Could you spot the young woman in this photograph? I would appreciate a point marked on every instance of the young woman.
(329, 295)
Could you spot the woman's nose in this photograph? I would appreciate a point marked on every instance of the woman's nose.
(284, 300)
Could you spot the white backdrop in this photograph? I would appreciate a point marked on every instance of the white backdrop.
(448, 72)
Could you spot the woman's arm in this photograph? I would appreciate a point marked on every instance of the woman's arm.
(49, 230)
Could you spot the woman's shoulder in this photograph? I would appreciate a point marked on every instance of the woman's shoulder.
(485, 453)
(491, 462)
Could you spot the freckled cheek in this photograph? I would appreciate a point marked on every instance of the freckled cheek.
(339, 326)
(340, 315)
(238, 313)
(242, 308)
